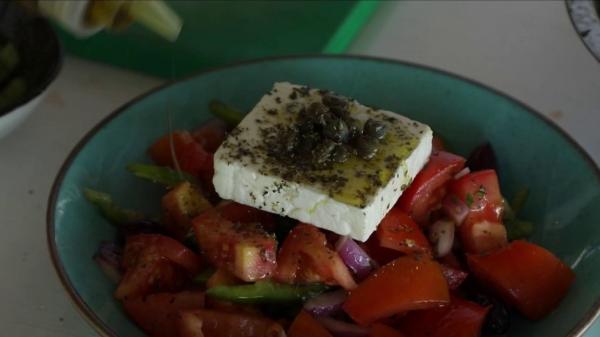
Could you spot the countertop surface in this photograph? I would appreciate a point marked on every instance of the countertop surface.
(527, 49)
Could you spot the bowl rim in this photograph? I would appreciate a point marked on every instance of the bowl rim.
(41, 87)
(104, 330)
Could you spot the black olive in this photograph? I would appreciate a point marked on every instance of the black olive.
(322, 153)
(336, 129)
(340, 154)
(375, 129)
(366, 147)
(497, 321)
(354, 128)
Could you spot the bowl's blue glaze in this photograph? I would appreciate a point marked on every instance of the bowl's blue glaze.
(564, 183)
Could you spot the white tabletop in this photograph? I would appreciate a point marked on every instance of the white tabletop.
(528, 50)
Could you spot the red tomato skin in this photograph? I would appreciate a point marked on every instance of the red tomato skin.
(245, 250)
(225, 324)
(428, 188)
(480, 191)
(405, 284)
(305, 257)
(381, 255)
(211, 135)
(304, 325)
(461, 318)
(525, 275)
(239, 213)
(157, 314)
(382, 330)
(399, 232)
(142, 245)
(153, 274)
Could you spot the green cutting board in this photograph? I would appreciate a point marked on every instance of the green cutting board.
(220, 32)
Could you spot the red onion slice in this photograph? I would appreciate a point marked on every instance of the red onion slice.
(326, 303)
(343, 329)
(108, 257)
(355, 257)
(441, 234)
(455, 208)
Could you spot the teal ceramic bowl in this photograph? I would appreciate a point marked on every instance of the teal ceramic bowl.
(564, 182)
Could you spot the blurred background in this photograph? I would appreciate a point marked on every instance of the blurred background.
(535, 51)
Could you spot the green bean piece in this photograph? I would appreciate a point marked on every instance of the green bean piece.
(228, 114)
(266, 292)
(160, 174)
(113, 213)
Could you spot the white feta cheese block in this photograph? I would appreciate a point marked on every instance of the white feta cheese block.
(348, 198)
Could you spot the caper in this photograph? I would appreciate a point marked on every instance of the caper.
(374, 129)
(340, 154)
(337, 104)
(336, 129)
(294, 107)
(322, 153)
(317, 112)
(366, 147)
(354, 128)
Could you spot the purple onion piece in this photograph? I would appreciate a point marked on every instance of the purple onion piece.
(108, 257)
(355, 257)
(455, 208)
(327, 303)
(441, 234)
(462, 173)
(343, 329)
(483, 157)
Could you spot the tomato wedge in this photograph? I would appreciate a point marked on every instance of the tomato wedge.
(382, 330)
(245, 250)
(305, 257)
(156, 314)
(454, 277)
(524, 275)
(225, 324)
(428, 188)
(191, 157)
(180, 205)
(482, 230)
(144, 245)
(407, 283)
(236, 212)
(399, 232)
(461, 318)
(155, 263)
(210, 135)
(304, 325)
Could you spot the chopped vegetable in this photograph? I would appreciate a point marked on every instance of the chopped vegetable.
(428, 188)
(307, 326)
(226, 113)
(160, 174)
(497, 321)
(461, 318)
(441, 235)
(382, 330)
(108, 258)
(112, 212)
(399, 232)
(305, 257)
(405, 284)
(327, 303)
(157, 314)
(225, 324)
(245, 250)
(266, 291)
(211, 135)
(180, 206)
(454, 277)
(355, 257)
(203, 276)
(343, 329)
(482, 157)
(525, 275)
(455, 208)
